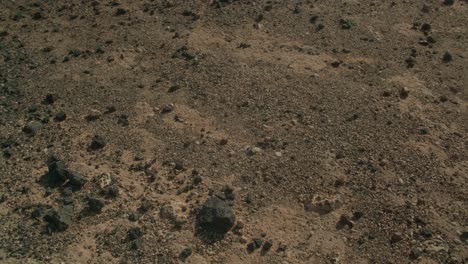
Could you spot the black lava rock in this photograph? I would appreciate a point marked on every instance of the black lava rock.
(215, 216)
(32, 127)
(447, 57)
(60, 116)
(134, 233)
(123, 120)
(95, 205)
(58, 174)
(187, 252)
(76, 180)
(49, 99)
(120, 12)
(98, 142)
(167, 109)
(267, 246)
(59, 220)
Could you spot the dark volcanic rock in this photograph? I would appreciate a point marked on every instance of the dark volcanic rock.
(215, 216)
(58, 174)
(98, 142)
(32, 127)
(134, 233)
(59, 220)
(60, 116)
(95, 205)
(185, 254)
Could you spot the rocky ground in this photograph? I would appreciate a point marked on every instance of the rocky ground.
(220, 131)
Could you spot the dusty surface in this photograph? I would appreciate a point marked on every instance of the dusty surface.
(340, 125)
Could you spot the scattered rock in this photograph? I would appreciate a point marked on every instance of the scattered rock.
(49, 99)
(464, 236)
(134, 233)
(167, 109)
(396, 237)
(215, 216)
(93, 115)
(323, 205)
(426, 232)
(346, 24)
(344, 222)
(95, 205)
(145, 206)
(415, 253)
(425, 28)
(447, 57)
(123, 120)
(187, 252)
(404, 93)
(267, 246)
(60, 116)
(59, 220)
(97, 142)
(449, 2)
(120, 12)
(32, 127)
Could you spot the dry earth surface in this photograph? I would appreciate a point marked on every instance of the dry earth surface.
(161, 131)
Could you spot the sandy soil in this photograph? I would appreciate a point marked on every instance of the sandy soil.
(335, 131)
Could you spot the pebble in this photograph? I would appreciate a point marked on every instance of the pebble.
(60, 116)
(215, 216)
(32, 127)
(97, 142)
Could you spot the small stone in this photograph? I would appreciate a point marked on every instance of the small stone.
(145, 206)
(251, 247)
(187, 252)
(215, 216)
(425, 28)
(37, 16)
(415, 253)
(59, 220)
(424, 131)
(49, 99)
(95, 205)
(7, 153)
(267, 246)
(113, 191)
(258, 242)
(123, 120)
(76, 180)
(464, 237)
(281, 247)
(447, 57)
(167, 212)
(396, 237)
(134, 233)
(449, 2)
(32, 127)
(426, 232)
(336, 64)
(346, 24)
(97, 142)
(404, 93)
(120, 12)
(243, 239)
(60, 116)
(93, 115)
(179, 165)
(344, 222)
(387, 93)
(167, 109)
(223, 142)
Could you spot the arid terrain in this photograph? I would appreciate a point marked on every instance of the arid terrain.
(234, 131)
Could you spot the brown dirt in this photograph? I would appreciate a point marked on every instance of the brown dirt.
(302, 107)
